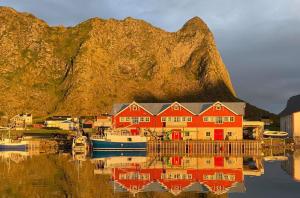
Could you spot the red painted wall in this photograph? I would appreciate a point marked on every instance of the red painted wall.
(197, 120)
(128, 112)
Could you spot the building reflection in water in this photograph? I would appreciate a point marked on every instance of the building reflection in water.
(134, 172)
(292, 165)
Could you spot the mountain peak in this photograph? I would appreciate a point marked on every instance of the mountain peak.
(195, 24)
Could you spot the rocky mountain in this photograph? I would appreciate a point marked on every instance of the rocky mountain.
(293, 105)
(86, 68)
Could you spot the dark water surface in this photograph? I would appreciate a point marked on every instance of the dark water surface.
(132, 174)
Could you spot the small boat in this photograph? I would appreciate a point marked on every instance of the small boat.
(80, 144)
(275, 158)
(118, 141)
(278, 134)
(13, 145)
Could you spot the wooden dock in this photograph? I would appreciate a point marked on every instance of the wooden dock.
(191, 148)
(42, 146)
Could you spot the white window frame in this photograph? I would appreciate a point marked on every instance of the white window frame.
(226, 119)
(189, 119)
(163, 119)
(122, 119)
(207, 133)
(135, 120)
(134, 107)
(232, 119)
(142, 119)
(177, 119)
(147, 119)
(128, 119)
(205, 119)
(176, 107)
(219, 120)
(218, 107)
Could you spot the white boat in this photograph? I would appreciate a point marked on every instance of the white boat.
(275, 158)
(80, 144)
(118, 141)
(279, 134)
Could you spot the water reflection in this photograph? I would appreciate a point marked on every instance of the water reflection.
(119, 174)
(292, 165)
(134, 173)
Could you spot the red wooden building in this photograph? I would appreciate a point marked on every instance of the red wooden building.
(176, 121)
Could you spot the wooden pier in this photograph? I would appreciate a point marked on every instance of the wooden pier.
(191, 148)
(42, 146)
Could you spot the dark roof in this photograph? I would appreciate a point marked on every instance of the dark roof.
(196, 108)
(293, 105)
(58, 118)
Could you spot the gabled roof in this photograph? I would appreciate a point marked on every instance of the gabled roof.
(124, 106)
(195, 107)
(180, 104)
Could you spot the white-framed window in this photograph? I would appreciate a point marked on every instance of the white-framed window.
(134, 107)
(183, 119)
(218, 106)
(122, 119)
(189, 119)
(169, 119)
(135, 120)
(128, 119)
(231, 118)
(219, 120)
(163, 119)
(147, 119)
(177, 119)
(226, 119)
(142, 119)
(207, 134)
(205, 119)
(176, 107)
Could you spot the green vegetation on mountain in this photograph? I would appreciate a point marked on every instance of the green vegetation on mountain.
(86, 68)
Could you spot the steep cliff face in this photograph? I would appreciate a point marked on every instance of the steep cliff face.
(86, 68)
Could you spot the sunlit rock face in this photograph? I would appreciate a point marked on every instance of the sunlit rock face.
(86, 68)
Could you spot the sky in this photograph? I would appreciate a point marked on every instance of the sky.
(259, 40)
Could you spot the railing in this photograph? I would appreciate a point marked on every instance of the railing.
(238, 147)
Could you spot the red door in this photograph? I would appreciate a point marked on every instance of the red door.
(135, 131)
(219, 134)
(176, 160)
(219, 161)
(176, 134)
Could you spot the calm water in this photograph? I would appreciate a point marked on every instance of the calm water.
(129, 174)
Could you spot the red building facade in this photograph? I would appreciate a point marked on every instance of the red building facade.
(176, 121)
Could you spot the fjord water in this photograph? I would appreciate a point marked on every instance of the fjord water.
(128, 174)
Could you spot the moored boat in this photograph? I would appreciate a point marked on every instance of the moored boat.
(13, 145)
(278, 134)
(118, 141)
(80, 144)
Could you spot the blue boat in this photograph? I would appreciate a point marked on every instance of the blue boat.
(111, 142)
(10, 145)
(106, 154)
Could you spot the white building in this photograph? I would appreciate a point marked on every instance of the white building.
(21, 121)
(290, 117)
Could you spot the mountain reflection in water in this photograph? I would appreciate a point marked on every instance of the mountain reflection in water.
(129, 174)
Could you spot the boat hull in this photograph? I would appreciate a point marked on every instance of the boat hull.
(108, 145)
(107, 154)
(13, 147)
